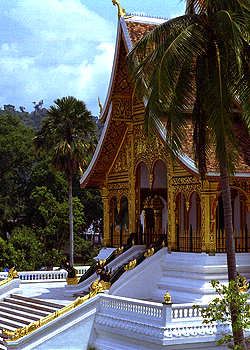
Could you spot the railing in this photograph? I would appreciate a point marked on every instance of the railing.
(186, 311)
(48, 276)
(119, 315)
(241, 241)
(137, 262)
(162, 321)
(189, 241)
(133, 306)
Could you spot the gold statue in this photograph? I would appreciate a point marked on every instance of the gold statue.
(121, 11)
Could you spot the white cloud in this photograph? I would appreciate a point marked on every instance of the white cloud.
(62, 48)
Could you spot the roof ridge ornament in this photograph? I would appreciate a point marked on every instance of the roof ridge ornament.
(121, 11)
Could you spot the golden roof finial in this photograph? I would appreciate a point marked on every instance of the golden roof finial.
(121, 11)
(100, 104)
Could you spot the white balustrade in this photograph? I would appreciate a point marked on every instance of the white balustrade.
(49, 276)
(163, 321)
(135, 307)
(42, 275)
(186, 310)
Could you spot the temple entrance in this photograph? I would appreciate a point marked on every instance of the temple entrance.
(151, 220)
(120, 222)
(188, 223)
(240, 223)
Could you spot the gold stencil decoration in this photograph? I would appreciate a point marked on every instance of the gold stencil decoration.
(122, 108)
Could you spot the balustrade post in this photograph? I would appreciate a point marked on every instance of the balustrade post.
(167, 310)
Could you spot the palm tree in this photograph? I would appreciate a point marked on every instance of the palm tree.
(69, 131)
(195, 67)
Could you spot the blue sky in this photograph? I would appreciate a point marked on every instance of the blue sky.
(55, 48)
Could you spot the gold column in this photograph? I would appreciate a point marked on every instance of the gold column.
(171, 211)
(106, 226)
(208, 220)
(205, 222)
(132, 214)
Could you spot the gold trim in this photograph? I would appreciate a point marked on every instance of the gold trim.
(11, 274)
(131, 265)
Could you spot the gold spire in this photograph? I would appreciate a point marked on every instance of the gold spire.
(121, 11)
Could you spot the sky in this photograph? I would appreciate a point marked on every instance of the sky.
(55, 48)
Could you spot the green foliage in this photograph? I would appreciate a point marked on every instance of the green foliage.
(54, 256)
(30, 120)
(16, 161)
(34, 198)
(85, 250)
(10, 257)
(70, 132)
(52, 218)
(24, 240)
(220, 310)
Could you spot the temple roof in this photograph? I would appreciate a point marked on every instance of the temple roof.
(130, 29)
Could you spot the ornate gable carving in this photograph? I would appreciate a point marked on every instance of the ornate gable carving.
(148, 149)
(122, 84)
(123, 160)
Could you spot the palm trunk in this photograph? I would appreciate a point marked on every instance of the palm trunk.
(230, 249)
(71, 235)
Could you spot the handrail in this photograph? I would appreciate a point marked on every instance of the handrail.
(105, 262)
(132, 264)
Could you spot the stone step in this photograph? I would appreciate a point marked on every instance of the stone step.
(6, 323)
(16, 312)
(15, 317)
(29, 310)
(37, 301)
(7, 327)
(30, 305)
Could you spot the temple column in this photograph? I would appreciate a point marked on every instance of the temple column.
(106, 223)
(205, 222)
(132, 197)
(171, 211)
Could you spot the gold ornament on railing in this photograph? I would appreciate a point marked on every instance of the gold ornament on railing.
(149, 252)
(167, 298)
(11, 274)
(118, 251)
(130, 265)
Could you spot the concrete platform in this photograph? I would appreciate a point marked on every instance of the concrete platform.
(49, 291)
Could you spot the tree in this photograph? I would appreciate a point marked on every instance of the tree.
(218, 310)
(69, 130)
(200, 59)
(16, 162)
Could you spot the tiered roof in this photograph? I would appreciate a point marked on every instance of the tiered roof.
(131, 28)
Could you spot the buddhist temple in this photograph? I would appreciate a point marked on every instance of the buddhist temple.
(144, 191)
(163, 239)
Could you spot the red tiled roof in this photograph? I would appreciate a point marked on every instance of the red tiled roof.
(138, 30)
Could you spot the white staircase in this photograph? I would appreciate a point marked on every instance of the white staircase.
(18, 311)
